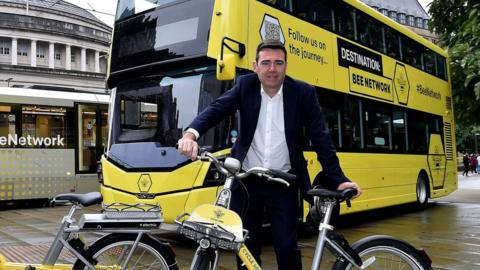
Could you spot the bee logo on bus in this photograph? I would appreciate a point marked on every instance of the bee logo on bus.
(144, 183)
(401, 83)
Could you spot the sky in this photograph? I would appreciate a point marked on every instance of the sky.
(105, 9)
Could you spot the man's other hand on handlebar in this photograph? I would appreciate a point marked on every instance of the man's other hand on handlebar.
(354, 185)
(188, 145)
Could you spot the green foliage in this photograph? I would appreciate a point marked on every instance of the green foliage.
(457, 22)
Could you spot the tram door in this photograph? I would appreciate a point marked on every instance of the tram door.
(91, 140)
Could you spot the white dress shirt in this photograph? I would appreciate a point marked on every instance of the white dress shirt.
(269, 145)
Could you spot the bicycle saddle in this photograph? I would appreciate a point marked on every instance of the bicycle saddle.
(340, 195)
(86, 199)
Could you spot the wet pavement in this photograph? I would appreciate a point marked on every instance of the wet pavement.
(449, 230)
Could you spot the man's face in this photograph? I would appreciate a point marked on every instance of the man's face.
(270, 68)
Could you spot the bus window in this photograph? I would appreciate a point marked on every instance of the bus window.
(441, 67)
(285, 5)
(392, 42)
(377, 130)
(333, 121)
(159, 109)
(418, 132)
(429, 61)
(369, 32)
(352, 136)
(412, 52)
(331, 104)
(344, 20)
(210, 90)
(315, 11)
(399, 131)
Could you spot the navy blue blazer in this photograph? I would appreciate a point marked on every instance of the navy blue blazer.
(301, 111)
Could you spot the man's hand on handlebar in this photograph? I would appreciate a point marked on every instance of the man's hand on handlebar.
(188, 146)
(354, 185)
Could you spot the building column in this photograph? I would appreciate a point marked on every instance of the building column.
(33, 53)
(83, 59)
(14, 51)
(68, 57)
(51, 55)
(97, 61)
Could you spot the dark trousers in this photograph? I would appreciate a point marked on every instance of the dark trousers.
(281, 205)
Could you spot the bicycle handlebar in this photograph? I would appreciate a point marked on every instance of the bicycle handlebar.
(270, 174)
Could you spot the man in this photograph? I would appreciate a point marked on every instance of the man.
(274, 110)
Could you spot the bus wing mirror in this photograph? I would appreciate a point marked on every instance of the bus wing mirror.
(226, 67)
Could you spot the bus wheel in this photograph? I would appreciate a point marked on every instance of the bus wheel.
(422, 192)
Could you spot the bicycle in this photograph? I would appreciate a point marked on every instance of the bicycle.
(216, 227)
(128, 242)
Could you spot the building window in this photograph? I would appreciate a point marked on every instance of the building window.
(58, 56)
(69, 26)
(22, 48)
(87, 60)
(419, 22)
(402, 18)
(393, 15)
(72, 58)
(40, 52)
(411, 20)
(425, 24)
(4, 48)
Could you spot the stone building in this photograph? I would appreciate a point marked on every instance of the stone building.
(408, 13)
(52, 44)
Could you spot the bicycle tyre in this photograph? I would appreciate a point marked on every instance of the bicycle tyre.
(390, 254)
(205, 259)
(108, 251)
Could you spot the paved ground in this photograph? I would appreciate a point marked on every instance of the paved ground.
(449, 230)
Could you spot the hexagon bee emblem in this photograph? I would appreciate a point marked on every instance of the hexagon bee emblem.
(271, 29)
(144, 183)
(218, 213)
(402, 85)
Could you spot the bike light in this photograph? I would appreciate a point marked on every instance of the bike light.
(204, 243)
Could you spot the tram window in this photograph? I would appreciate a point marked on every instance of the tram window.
(44, 127)
(369, 32)
(377, 130)
(7, 125)
(344, 19)
(392, 42)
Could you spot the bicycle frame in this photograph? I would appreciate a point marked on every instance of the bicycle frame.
(87, 223)
(207, 223)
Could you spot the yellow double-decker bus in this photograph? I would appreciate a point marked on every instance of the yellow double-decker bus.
(385, 92)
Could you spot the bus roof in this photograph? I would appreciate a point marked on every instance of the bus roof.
(49, 97)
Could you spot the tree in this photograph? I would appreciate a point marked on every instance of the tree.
(457, 22)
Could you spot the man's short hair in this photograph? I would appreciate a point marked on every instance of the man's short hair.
(271, 44)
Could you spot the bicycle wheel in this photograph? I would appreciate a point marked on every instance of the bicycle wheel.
(389, 253)
(110, 252)
(205, 259)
